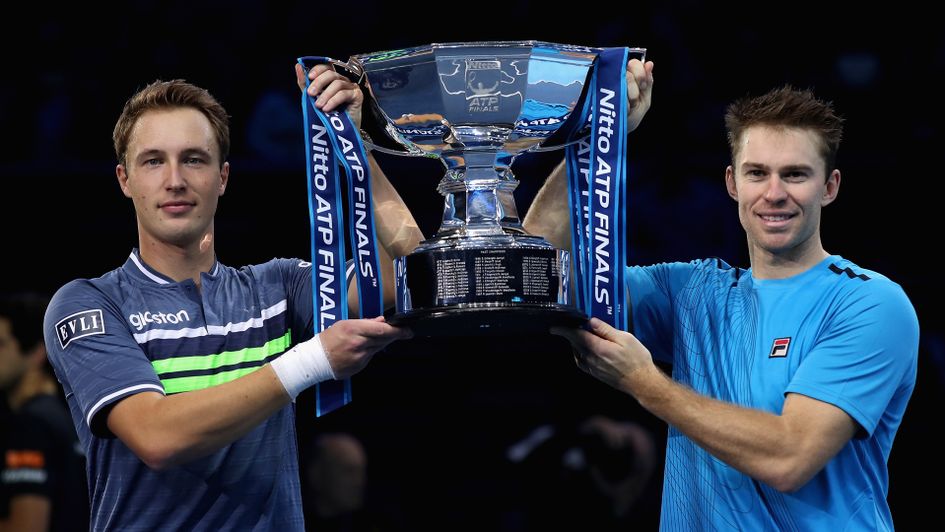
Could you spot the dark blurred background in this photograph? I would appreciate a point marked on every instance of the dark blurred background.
(437, 417)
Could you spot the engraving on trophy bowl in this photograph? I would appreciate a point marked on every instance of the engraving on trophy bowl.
(476, 106)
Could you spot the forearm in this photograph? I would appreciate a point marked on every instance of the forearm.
(386, 264)
(549, 215)
(397, 231)
(397, 234)
(168, 431)
(760, 444)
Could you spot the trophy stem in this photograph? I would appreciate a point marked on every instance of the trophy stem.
(478, 201)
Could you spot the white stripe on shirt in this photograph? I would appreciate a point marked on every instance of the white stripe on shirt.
(101, 402)
(144, 270)
(220, 330)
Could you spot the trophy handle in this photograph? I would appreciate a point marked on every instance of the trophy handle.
(541, 148)
(369, 143)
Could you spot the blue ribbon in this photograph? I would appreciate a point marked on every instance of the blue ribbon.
(578, 165)
(331, 139)
(597, 194)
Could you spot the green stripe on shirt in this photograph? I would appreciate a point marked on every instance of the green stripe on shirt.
(216, 361)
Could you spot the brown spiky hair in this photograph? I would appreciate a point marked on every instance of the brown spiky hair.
(787, 107)
(171, 94)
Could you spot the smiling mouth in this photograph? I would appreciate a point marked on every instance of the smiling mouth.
(776, 218)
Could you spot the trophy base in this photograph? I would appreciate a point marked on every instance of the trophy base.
(487, 321)
(507, 285)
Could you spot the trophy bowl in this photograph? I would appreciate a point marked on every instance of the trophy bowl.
(476, 106)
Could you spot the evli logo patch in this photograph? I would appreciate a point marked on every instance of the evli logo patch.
(779, 348)
(80, 325)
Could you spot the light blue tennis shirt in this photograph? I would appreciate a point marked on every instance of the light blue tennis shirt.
(837, 333)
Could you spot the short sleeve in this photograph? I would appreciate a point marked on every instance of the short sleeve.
(93, 352)
(297, 279)
(866, 356)
(652, 292)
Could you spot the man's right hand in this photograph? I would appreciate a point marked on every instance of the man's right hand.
(350, 344)
(331, 90)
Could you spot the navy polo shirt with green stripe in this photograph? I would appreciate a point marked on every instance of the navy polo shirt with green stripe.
(134, 330)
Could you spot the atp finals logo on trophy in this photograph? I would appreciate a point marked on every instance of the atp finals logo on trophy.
(482, 84)
(476, 107)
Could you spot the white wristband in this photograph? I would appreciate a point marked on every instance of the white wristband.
(302, 366)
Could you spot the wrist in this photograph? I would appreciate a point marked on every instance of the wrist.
(302, 366)
(644, 384)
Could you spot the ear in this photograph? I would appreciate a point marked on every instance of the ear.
(730, 182)
(122, 173)
(831, 189)
(224, 177)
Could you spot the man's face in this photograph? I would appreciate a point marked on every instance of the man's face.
(779, 183)
(172, 174)
(12, 362)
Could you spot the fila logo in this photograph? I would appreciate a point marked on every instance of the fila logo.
(779, 348)
(79, 325)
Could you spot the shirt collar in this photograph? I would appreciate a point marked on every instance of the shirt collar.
(137, 268)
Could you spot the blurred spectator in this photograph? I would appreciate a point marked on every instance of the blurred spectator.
(336, 482)
(592, 475)
(42, 473)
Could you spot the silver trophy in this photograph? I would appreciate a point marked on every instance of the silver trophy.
(476, 106)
